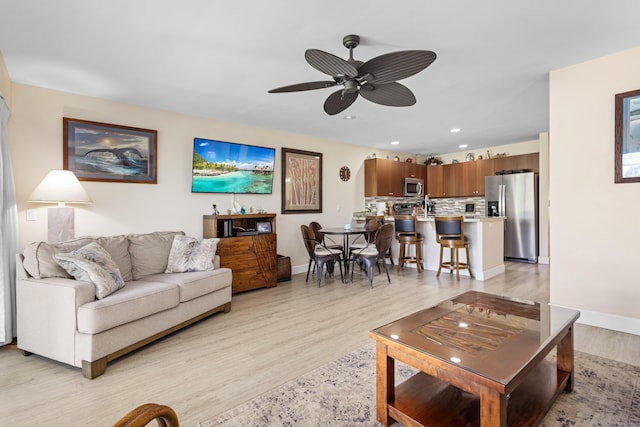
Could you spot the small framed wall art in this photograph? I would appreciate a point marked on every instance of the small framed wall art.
(627, 137)
(112, 153)
(301, 181)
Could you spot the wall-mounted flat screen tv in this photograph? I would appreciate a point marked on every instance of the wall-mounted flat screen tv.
(227, 167)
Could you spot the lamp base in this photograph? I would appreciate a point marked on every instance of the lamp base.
(61, 224)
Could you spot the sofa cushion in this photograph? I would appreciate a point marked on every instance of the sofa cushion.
(181, 250)
(191, 254)
(136, 300)
(38, 257)
(149, 252)
(92, 263)
(118, 248)
(196, 283)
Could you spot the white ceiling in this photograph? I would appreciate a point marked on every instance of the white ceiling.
(218, 59)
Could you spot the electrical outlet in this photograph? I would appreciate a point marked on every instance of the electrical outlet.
(32, 215)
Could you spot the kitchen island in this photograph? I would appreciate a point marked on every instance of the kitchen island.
(486, 245)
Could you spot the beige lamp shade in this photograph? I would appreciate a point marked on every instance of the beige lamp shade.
(60, 186)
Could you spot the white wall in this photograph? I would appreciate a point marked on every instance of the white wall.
(35, 132)
(594, 230)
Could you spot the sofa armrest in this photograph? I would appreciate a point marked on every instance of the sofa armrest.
(46, 314)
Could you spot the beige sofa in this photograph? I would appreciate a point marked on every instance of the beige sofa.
(67, 320)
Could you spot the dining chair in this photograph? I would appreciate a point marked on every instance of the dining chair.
(322, 238)
(450, 234)
(320, 255)
(407, 235)
(371, 225)
(374, 252)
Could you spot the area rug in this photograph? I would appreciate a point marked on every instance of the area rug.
(342, 393)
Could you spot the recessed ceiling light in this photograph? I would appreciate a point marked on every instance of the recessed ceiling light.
(395, 142)
(463, 146)
(455, 130)
(349, 117)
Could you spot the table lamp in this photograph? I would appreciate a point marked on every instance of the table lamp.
(61, 187)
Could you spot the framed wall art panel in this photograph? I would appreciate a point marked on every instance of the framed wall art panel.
(112, 153)
(301, 181)
(627, 137)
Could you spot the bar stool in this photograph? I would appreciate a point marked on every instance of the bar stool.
(450, 234)
(407, 236)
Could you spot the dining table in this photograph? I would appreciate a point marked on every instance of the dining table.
(345, 233)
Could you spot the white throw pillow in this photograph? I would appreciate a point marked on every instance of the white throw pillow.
(191, 254)
(92, 263)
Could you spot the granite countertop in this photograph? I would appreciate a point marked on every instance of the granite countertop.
(467, 218)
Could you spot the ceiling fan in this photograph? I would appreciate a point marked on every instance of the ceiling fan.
(375, 80)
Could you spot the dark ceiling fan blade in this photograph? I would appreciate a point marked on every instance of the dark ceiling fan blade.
(337, 102)
(329, 64)
(304, 86)
(395, 66)
(391, 94)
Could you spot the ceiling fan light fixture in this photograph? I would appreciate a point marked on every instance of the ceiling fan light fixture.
(375, 79)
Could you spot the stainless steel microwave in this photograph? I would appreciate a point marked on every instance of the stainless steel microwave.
(412, 187)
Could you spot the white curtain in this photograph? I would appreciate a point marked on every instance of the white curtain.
(8, 234)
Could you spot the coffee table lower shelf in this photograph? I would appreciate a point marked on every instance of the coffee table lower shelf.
(424, 400)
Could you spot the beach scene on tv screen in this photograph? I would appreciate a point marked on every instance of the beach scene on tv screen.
(225, 167)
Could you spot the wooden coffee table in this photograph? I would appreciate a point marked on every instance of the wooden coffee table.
(482, 360)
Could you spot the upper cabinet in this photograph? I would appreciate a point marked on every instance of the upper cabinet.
(466, 179)
(528, 162)
(383, 177)
(435, 181)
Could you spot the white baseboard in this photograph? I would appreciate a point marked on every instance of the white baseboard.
(628, 325)
(543, 260)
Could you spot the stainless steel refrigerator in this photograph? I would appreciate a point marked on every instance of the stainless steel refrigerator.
(515, 196)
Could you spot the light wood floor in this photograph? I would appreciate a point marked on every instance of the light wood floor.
(269, 337)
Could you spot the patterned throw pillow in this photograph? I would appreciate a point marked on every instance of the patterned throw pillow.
(92, 263)
(191, 254)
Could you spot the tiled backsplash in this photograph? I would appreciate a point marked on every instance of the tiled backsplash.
(456, 206)
(452, 206)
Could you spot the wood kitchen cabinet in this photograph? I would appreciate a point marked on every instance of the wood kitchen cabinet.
(435, 181)
(471, 176)
(529, 161)
(453, 180)
(383, 177)
(466, 179)
(414, 170)
(246, 247)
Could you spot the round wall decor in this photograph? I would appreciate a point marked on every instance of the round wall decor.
(345, 173)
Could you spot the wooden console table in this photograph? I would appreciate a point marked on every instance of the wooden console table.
(246, 247)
